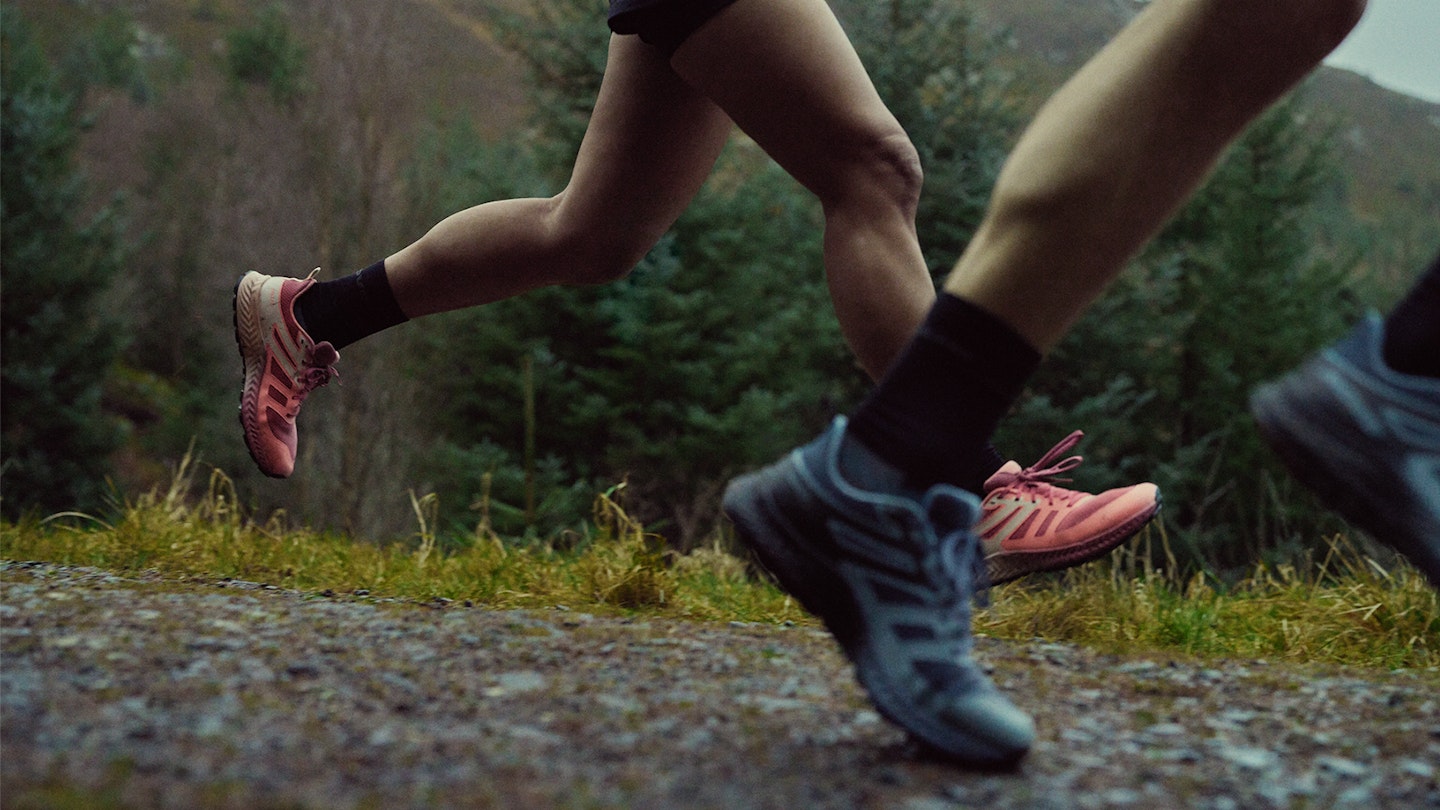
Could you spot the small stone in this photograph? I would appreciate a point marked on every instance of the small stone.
(1257, 759)
(1342, 766)
(1166, 729)
(382, 736)
(619, 703)
(695, 738)
(1178, 755)
(1361, 796)
(771, 705)
(524, 681)
(1122, 796)
(1415, 767)
(400, 682)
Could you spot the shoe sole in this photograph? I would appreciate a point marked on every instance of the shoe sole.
(1007, 566)
(810, 577)
(245, 316)
(1284, 429)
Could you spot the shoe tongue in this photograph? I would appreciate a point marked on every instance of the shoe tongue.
(950, 508)
(324, 354)
(1003, 476)
(862, 467)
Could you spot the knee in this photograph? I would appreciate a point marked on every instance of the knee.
(882, 169)
(896, 164)
(902, 167)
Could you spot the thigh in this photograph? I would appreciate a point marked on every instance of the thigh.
(651, 142)
(786, 73)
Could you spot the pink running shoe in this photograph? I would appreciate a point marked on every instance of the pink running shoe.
(282, 366)
(1029, 525)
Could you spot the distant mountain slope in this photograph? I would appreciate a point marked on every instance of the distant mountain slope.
(1389, 143)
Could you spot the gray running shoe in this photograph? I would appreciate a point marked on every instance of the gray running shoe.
(892, 577)
(1365, 438)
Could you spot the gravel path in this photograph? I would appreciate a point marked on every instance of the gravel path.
(151, 693)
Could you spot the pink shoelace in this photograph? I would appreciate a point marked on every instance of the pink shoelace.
(1033, 479)
(317, 371)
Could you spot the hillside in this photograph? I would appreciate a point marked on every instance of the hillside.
(453, 63)
(1387, 141)
(454, 60)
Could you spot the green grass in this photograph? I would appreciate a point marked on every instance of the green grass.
(206, 536)
(1347, 610)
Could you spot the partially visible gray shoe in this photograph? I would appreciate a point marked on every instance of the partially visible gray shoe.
(1365, 438)
(892, 575)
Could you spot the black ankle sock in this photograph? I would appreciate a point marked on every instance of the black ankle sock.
(934, 412)
(350, 308)
(1412, 330)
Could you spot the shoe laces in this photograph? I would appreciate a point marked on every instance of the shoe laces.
(960, 572)
(316, 371)
(1035, 480)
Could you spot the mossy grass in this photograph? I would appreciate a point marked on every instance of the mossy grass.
(616, 566)
(1347, 609)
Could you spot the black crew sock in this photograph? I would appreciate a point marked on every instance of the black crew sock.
(1412, 330)
(933, 413)
(350, 308)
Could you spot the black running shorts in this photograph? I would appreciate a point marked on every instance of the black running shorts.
(662, 23)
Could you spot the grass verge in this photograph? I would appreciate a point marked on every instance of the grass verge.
(1348, 610)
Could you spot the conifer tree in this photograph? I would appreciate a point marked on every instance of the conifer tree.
(60, 339)
(938, 73)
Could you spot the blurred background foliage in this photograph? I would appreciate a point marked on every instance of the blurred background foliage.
(153, 152)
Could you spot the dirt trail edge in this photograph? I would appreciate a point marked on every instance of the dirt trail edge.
(140, 692)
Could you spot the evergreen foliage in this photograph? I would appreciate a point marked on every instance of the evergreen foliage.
(563, 49)
(269, 55)
(937, 73)
(60, 337)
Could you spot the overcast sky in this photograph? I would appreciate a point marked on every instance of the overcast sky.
(1396, 44)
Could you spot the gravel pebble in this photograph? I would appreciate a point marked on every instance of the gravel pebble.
(236, 694)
